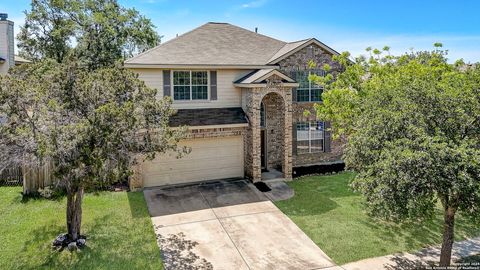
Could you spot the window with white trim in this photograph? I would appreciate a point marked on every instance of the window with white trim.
(310, 137)
(190, 85)
(307, 90)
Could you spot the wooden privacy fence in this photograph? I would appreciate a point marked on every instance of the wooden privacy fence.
(35, 178)
(11, 177)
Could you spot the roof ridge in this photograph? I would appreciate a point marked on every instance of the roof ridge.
(257, 33)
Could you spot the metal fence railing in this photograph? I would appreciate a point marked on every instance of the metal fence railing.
(11, 177)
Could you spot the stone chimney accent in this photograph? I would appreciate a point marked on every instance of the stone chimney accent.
(7, 53)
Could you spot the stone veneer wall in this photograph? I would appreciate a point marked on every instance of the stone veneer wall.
(336, 146)
(299, 61)
(274, 130)
(253, 98)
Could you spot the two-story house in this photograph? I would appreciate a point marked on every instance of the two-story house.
(243, 96)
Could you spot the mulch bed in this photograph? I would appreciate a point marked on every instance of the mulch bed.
(318, 169)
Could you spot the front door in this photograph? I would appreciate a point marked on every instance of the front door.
(263, 149)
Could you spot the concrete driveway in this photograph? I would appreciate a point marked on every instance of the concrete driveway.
(228, 225)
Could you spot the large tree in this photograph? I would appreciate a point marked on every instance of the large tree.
(412, 124)
(98, 32)
(91, 125)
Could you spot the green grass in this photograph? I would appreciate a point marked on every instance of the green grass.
(119, 231)
(334, 218)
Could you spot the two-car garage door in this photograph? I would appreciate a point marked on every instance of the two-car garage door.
(211, 158)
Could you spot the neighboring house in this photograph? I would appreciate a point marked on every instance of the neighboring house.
(243, 96)
(7, 53)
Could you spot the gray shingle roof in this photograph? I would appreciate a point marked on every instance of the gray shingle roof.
(213, 44)
(206, 117)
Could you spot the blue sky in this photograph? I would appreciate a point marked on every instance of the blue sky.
(343, 25)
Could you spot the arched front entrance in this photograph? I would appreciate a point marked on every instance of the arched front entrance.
(268, 140)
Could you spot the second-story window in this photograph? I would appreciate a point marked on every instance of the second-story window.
(308, 91)
(190, 85)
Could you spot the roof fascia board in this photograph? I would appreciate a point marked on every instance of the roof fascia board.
(129, 65)
(274, 72)
(262, 85)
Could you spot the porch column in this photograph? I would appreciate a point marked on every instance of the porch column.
(287, 161)
(252, 137)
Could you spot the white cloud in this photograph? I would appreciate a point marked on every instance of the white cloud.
(254, 4)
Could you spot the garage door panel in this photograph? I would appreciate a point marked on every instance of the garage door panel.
(170, 179)
(209, 154)
(192, 165)
(210, 158)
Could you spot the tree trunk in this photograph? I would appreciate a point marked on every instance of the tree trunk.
(448, 229)
(74, 213)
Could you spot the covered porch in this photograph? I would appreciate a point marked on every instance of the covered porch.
(267, 96)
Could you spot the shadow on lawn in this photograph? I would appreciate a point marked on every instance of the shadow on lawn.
(414, 235)
(402, 263)
(419, 234)
(138, 205)
(99, 252)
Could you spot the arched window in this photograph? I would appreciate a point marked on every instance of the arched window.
(262, 115)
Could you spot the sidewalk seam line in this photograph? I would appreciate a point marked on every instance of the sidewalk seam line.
(229, 237)
(184, 223)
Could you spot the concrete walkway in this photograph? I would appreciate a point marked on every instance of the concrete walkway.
(418, 260)
(228, 225)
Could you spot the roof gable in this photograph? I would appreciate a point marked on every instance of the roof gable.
(260, 76)
(293, 47)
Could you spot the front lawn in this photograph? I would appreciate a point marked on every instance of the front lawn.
(119, 231)
(333, 217)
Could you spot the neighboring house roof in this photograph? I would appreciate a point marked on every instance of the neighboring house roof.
(21, 60)
(2, 59)
(207, 117)
(220, 44)
(259, 76)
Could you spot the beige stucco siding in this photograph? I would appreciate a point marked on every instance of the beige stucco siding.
(227, 94)
(210, 158)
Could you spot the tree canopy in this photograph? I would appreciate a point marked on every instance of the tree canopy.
(412, 124)
(91, 125)
(98, 32)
